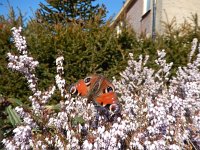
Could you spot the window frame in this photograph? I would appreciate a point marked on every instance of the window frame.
(146, 6)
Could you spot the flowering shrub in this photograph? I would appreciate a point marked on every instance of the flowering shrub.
(158, 112)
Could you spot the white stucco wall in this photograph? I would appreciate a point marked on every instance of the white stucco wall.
(180, 9)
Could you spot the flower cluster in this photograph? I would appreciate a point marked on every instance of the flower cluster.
(165, 109)
(158, 112)
(23, 63)
(21, 138)
(60, 71)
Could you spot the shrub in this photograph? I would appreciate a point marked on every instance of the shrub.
(154, 115)
(94, 49)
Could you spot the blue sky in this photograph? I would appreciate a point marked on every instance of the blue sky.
(28, 7)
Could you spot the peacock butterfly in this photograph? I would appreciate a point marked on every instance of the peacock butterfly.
(97, 89)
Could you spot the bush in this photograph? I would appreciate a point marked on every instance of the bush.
(94, 49)
(153, 116)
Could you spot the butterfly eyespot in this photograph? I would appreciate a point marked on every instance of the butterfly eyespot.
(73, 90)
(115, 108)
(109, 89)
(87, 81)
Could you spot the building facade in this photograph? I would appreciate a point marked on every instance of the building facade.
(147, 16)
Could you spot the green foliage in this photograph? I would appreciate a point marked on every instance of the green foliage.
(11, 84)
(8, 117)
(94, 49)
(88, 49)
(13, 117)
(78, 120)
(177, 40)
(67, 11)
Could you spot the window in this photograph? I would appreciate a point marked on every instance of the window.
(146, 6)
(119, 27)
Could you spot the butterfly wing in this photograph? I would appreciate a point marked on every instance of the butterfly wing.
(81, 88)
(97, 89)
(106, 99)
(106, 94)
(84, 87)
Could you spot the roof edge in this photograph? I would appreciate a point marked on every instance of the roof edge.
(122, 10)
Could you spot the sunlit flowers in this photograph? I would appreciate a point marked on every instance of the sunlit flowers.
(158, 112)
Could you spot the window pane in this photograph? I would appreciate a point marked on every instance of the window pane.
(146, 5)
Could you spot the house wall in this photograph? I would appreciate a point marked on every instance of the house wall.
(140, 23)
(178, 9)
(159, 17)
(133, 16)
(166, 10)
(146, 23)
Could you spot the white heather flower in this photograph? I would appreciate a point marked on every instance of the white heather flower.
(24, 64)
(152, 147)
(101, 129)
(22, 134)
(87, 145)
(60, 82)
(154, 113)
(9, 145)
(174, 147)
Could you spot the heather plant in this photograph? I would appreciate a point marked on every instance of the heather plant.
(175, 39)
(9, 83)
(10, 87)
(88, 49)
(158, 112)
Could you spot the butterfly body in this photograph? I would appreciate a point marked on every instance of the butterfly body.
(98, 90)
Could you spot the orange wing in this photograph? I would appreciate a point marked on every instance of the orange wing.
(96, 87)
(106, 94)
(107, 98)
(82, 88)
